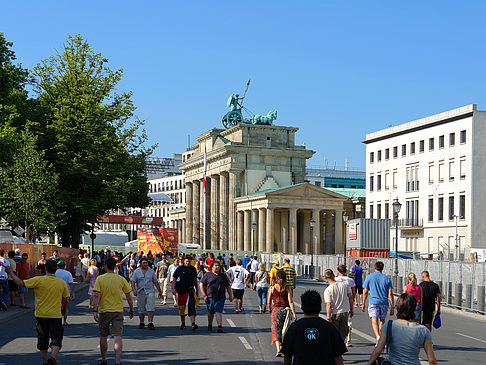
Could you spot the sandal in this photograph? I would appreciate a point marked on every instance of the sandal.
(278, 354)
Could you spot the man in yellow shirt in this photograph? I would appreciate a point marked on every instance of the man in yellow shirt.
(108, 301)
(273, 271)
(51, 296)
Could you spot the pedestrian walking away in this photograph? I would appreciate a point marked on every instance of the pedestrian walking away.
(262, 280)
(108, 309)
(143, 282)
(312, 340)
(185, 285)
(345, 279)
(170, 274)
(213, 286)
(273, 271)
(252, 268)
(51, 295)
(290, 273)
(430, 297)
(416, 290)
(280, 302)
(339, 303)
(12, 287)
(407, 337)
(93, 273)
(67, 277)
(379, 287)
(162, 272)
(4, 263)
(238, 276)
(357, 275)
(23, 272)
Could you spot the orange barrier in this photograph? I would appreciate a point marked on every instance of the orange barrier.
(69, 255)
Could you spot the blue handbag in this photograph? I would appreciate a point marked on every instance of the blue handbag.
(437, 322)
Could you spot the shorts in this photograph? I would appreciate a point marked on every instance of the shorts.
(84, 269)
(145, 302)
(427, 316)
(252, 277)
(186, 303)
(23, 289)
(49, 328)
(163, 285)
(215, 305)
(359, 289)
(12, 287)
(350, 322)
(79, 272)
(378, 310)
(238, 293)
(340, 321)
(116, 321)
(418, 313)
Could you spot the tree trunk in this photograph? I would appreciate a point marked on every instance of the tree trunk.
(27, 233)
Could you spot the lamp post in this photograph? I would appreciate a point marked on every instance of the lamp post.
(345, 219)
(312, 225)
(253, 229)
(396, 210)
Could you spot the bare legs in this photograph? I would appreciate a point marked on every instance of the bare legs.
(45, 354)
(118, 346)
(376, 324)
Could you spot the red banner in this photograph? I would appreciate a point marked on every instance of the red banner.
(157, 240)
(131, 219)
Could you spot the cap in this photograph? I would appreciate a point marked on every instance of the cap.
(17, 250)
(276, 262)
(61, 262)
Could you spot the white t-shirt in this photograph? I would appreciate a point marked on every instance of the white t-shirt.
(254, 266)
(337, 294)
(171, 271)
(237, 275)
(3, 263)
(347, 280)
(66, 276)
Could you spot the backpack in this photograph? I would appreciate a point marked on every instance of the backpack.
(352, 273)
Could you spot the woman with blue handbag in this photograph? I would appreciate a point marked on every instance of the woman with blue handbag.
(406, 337)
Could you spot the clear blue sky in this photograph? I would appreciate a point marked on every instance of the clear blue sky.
(335, 69)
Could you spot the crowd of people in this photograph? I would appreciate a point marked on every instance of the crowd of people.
(191, 279)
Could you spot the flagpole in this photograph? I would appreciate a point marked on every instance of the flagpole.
(205, 202)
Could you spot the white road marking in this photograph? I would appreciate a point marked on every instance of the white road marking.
(245, 343)
(472, 338)
(231, 323)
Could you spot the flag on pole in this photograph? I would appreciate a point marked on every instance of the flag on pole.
(204, 173)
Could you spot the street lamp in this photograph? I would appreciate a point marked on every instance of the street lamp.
(396, 209)
(253, 229)
(345, 219)
(312, 225)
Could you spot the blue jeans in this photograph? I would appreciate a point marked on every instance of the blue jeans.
(262, 295)
(4, 285)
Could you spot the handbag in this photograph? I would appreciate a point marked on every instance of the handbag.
(385, 360)
(437, 321)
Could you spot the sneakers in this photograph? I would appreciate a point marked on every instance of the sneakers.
(210, 327)
(151, 326)
(183, 326)
(3, 306)
(194, 327)
(141, 325)
(175, 305)
(163, 302)
(349, 345)
(220, 329)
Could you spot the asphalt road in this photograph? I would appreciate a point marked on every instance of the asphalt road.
(247, 338)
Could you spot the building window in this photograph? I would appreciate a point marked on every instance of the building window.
(463, 137)
(371, 211)
(412, 148)
(451, 208)
(451, 171)
(421, 146)
(441, 141)
(404, 150)
(452, 139)
(378, 211)
(441, 172)
(440, 209)
(387, 210)
(431, 144)
(462, 169)
(395, 152)
(387, 182)
(395, 176)
(379, 155)
(372, 157)
(462, 206)
(431, 209)
(318, 183)
(431, 174)
(378, 182)
(387, 154)
(372, 182)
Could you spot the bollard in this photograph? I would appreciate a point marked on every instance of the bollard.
(394, 282)
(449, 293)
(481, 298)
(458, 296)
(469, 303)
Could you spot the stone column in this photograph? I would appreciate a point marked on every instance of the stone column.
(241, 230)
(196, 211)
(293, 230)
(215, 242)
(183, 230)
(316, 215)
(223, 211)
(254, 232)
(338, 232)
(269, 230)
(306, 232)
(233, 189)
(247, 231)
(329, 234)
(284, 221)
(277, 231)
(261, 229)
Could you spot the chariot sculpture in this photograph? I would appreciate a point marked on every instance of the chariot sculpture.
(235, 114)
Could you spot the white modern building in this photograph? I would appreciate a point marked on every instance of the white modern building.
(173, 188)
(436, 168)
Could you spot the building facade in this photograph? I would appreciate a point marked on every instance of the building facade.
(336, 178)
(434, 167)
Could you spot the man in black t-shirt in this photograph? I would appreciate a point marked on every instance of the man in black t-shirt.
(185, 285)
(213, 285)
(312, 340)
(431, 295)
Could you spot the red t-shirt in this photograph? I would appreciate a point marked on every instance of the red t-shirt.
(23, 270)
(209, 261)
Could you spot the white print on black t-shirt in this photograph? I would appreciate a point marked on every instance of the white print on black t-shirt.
(311, 333)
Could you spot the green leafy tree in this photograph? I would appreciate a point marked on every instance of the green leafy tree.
(91, 136)
(28, 186)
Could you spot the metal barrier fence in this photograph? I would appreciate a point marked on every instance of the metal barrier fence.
(462, 284)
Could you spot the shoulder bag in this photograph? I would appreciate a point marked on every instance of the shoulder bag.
(385, 360)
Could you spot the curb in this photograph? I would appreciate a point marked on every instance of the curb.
(24, 311)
